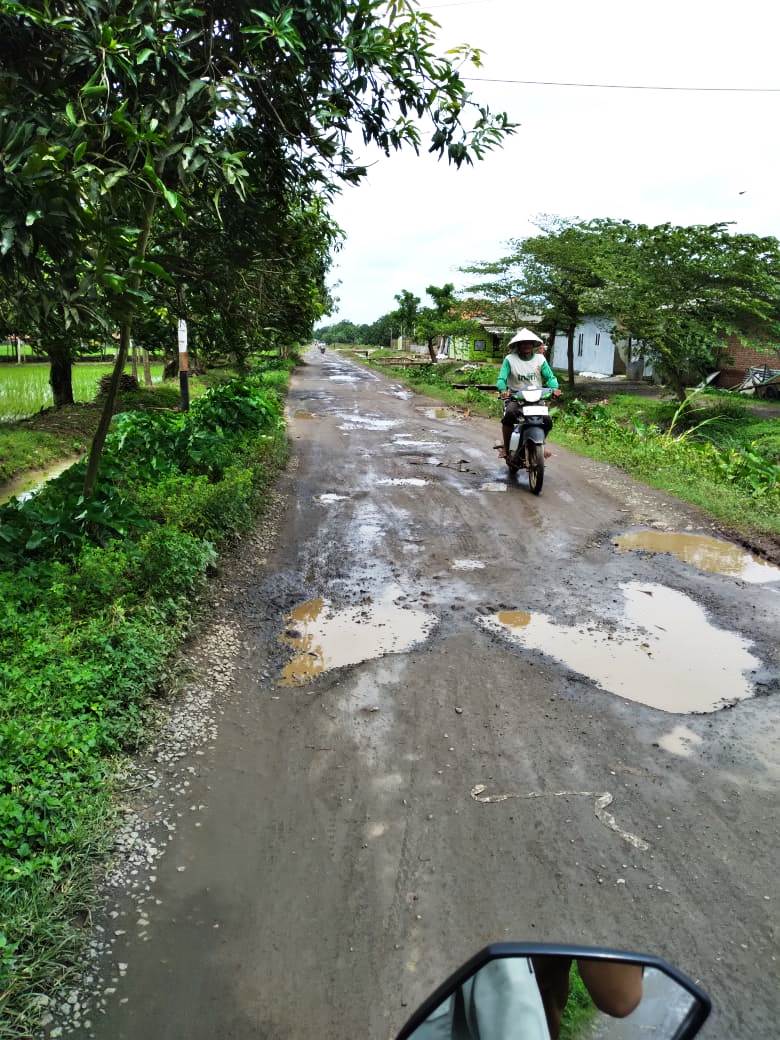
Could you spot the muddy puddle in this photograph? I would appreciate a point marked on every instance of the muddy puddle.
(713, 555)
(355, 421)
(664, 652)
(330, 497)
(680, 741)
(402, 482)
(28, 484)
(468, 565)
(440, 413)
(323, 638)
(492, 486)
(303, 414)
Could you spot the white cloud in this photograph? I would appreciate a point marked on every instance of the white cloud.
(641, 155)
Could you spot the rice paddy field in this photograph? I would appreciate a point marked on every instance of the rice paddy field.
(25, 390)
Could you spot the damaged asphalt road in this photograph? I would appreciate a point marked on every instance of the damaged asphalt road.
(411, 753)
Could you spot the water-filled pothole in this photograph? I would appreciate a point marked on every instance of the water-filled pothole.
(324, 638)
(402, 482)
(708, 554)
(440, 413)
(664, 653)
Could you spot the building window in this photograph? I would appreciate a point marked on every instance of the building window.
(580, 341)
(598, 338)
(479, 346)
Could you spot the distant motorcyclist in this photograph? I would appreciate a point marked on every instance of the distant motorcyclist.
(524, 367)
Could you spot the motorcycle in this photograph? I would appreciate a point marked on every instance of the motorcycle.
(322, 350)
(535, 991)
(526, 445)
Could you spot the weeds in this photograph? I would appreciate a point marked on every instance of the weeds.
(94, 598)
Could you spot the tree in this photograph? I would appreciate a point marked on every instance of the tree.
(443, 319)
(406, 315)
(114, 112)
(556, 273)
(684, 290)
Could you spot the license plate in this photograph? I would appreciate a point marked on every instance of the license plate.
(536, 409)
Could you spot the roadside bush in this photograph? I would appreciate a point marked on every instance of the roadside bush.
(679, 461)
(198, 506)
(173, 564)
(94, 597)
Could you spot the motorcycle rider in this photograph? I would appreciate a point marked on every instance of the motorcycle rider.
(524, 367)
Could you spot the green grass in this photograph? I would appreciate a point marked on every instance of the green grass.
(30, 449)
(579, 1011)
(24, 389)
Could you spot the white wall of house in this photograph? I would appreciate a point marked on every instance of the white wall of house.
(594, 349)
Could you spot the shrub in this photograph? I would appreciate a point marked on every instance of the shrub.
(172, 563)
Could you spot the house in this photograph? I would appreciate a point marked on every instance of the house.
(488, 342)
(737, 359)
(597, 352)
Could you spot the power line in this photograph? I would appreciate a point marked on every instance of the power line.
(622, 86)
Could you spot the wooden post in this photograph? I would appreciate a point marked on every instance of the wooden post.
(184, 366)
(147, 367)
(18, 349)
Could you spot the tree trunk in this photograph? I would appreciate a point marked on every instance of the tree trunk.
(134, 360)
(147, 367)
(125, 331)
(432, 349)
(570, 354)
(61, 378)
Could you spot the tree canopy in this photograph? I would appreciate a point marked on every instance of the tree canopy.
(138, 141)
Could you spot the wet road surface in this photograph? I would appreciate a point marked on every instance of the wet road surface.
(361, 830)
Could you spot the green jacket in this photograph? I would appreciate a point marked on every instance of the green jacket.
(547, 374)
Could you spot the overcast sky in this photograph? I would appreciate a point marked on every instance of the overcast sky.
(642, 155)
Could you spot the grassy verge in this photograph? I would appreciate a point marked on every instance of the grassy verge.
(720, 456)
(93, 604)
(51, 435)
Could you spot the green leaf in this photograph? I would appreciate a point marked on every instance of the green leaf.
(70, 113)
(97, 88)
(78, 152)
(143, 55)
(171, 198)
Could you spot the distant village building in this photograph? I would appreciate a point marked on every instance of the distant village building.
(597, 352)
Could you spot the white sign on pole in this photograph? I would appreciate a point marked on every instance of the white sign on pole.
(182, 336)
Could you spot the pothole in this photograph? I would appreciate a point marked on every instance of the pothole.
(355, 421)
(303, 414)
(324, 638)
(713, 555)
(665, 653)
(492, 486)
(440, 413)
(330, 497)
(680, 741)
(468, 565)
(402, 482)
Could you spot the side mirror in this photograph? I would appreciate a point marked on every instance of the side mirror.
(519, 991)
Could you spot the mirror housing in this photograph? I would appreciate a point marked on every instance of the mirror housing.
(523, 989)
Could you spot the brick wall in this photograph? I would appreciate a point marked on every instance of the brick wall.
(740, 358)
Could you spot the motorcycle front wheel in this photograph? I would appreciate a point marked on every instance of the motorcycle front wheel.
(535, 454)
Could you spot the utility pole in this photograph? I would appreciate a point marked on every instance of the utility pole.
(184, 366)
